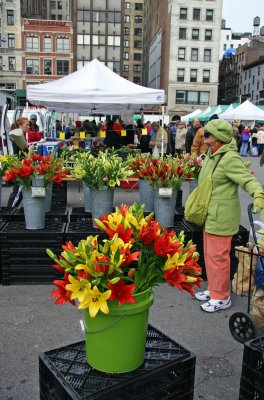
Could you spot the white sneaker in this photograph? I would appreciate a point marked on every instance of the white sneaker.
(216, 305)
(203, 296)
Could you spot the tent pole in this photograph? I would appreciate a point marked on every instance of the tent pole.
(162, 131)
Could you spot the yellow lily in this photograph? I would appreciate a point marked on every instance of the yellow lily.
(177, 260)
(95, 301)
(77, 288)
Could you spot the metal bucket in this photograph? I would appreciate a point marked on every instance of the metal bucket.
(87, 198)
(101, 201)
(164, 208)
(34, 210)
(48, 197)
(38, 181)
(146, 195)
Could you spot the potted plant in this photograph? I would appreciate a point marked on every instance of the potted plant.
(34, 173)
(101, 175)
(113, 282)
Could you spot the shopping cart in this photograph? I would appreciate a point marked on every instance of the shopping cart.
(249, 281)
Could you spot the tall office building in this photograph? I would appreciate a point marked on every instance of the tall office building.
(181, 53)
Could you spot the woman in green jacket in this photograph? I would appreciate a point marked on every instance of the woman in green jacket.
(224, 211)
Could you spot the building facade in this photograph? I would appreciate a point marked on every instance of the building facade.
(231, 40)
(34, 9)
(253, 81)
(187, 39)
(59, 10)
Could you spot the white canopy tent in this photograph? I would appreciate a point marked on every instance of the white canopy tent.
(186, 118)
(247, 111)
(94, 89)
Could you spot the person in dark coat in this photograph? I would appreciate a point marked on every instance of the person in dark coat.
(191, 133)
(112, 138)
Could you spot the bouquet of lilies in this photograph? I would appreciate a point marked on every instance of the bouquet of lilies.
(138, 255)
(4, 163)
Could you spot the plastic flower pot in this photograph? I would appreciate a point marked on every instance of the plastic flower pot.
(115, 342)
(164, 208)
(146, 195)
(34, 210)
(101, 201)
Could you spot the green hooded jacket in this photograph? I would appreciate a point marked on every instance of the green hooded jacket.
(224, 210)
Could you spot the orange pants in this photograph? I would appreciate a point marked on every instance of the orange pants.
(217, 264)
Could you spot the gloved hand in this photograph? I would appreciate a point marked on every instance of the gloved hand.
(258, 203)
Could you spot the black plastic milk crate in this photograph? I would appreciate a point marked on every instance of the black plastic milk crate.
(80, 229)
(77, 213)
(7, 214)
(56, 214)
(167, 373)
(23, 252)
(59, 195)
(196, 231)
(179, 226)
(252, 375)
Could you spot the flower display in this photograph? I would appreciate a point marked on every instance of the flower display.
(162, 172)
(4, 163)
(107, 169)
(138, 255)
(22, 170)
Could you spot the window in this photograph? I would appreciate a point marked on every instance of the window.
(253, 79)
(10, 17)
(32, 43)
(180, 75)
(47, 45)
(209, 16)
(83, 39)
(63, 45)
(12, 63)
(11, 40)
(257, 85)
(59, 17)
(59, 5)
(227, 37)
(83, 15)
(114, 66)
(246, 75)
(138, 31)
(139, 6)
(183, 13)
(137, 44)
(47, 67)
(53, 5)
(249, 73)
(126, 18)
(137, 56)
(245, 88)
(138, 19)
(206, 76)
(137, 80)
(248, 87)
(197, 14)
(207, 54)
(126, 31)
(182, 33)
(1, 63)
(62, 67)
(193, 75)
(192, 97)
(126, 68)
(127, 5)
(231, 46)
(114, 17)
(208, 34)
(136, 68)
(195, 34)
(98, 40)
(113, 40)
(181, 53)
(126, 56)
(126, 43)
(99, 16)
(258, 71)
(32, 67)
(194, 54)
(53, 16)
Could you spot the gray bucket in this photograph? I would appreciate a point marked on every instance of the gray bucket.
(48, 196)
(164, 208)
(0, 193)
(146, 195)
(101, 201)
(38, 181)
(87, 198)
(34, 210)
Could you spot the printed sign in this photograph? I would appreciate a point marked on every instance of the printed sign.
(165, 192)
(38, 191)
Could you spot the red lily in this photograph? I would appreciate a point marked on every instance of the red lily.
(122, 292)
(61, 292)
(174, 277)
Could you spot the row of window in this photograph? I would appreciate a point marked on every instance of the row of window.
(208, 34)
(248, 74)
(197, 14)
(62, 44)
(137, 44)
(136, 56)
(137, 31)
(32, 66)
(98, 40)
(137, 6)
(247, 88)
(102, 16)
(136, 68)
(193, 75)
(207, 54)
(56, 5)
(192, 97)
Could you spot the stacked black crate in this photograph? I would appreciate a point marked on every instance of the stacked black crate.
(59, 195)
(6, 214)
(23, 252)
(2, 224)
(252, 375)
(168, 372)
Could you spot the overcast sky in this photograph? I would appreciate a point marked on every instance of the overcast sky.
(239, 14)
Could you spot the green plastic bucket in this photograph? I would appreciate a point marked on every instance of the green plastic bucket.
(115, 342)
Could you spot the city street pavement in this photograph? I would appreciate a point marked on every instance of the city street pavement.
(30, 323)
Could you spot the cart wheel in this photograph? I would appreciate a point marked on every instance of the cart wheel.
(241, 327)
